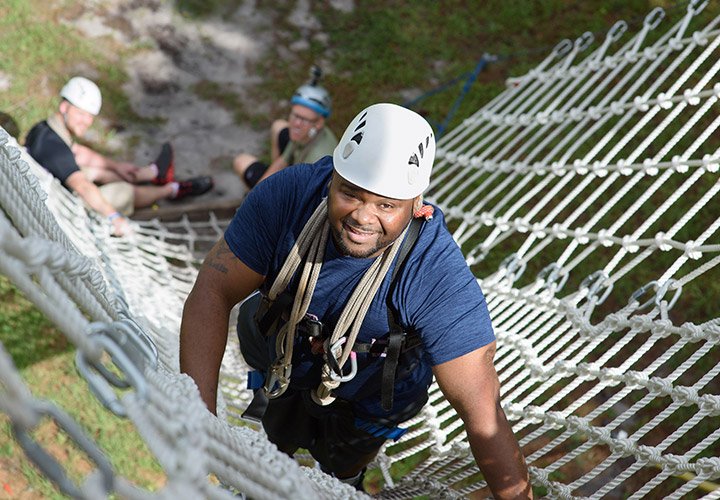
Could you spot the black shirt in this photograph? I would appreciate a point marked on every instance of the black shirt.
(51, 152)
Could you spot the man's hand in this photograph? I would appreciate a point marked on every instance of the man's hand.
(471, 385)
(127, 171)
(121, 226)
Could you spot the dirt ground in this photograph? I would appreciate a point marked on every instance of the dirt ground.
(178, 53)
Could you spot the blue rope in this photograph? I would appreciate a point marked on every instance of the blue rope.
(470, 77)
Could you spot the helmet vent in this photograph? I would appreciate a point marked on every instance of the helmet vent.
(358, 137)
(414, 160)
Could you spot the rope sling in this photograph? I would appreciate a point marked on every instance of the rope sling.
(310, 249)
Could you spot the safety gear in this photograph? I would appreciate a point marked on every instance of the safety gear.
(82, 93)
(313, 97)
(387, 150)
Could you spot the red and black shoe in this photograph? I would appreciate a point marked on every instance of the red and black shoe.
(194, 187)
(165, 163)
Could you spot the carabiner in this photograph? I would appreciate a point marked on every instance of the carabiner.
(349, 376)
(278, 379)
(594, 284)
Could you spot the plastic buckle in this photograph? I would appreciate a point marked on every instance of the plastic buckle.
(311, 326)
(255, 379)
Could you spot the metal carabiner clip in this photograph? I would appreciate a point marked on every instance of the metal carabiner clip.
(277, 380)
(332, 353)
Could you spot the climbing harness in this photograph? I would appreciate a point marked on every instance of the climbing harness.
(339, 346)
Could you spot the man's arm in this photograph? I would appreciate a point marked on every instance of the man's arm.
(275, 166)
(470, 383)
(91, 194)
(88, 158)
(223, 281)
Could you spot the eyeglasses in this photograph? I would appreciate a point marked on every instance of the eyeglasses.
(302, 119)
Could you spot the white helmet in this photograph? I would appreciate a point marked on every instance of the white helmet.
(83, 93)
(387, 150)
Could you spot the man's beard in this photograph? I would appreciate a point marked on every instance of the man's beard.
(344, 249)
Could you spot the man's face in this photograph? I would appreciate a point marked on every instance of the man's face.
(301, 121)
(77, 120)
(362, 223)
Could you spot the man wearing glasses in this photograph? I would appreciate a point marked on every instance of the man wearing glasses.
(302, 138)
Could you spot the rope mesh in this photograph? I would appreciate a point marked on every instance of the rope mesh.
(584, 199)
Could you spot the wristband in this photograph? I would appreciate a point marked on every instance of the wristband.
(113, 216)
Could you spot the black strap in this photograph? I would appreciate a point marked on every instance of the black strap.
(270, 312)
(396, 337)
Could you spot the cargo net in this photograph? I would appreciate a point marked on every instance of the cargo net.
(585, 199)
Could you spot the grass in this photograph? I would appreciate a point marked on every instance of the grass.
(46, 363)
(382, 51)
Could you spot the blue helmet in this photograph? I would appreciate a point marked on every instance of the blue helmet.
(312, 95)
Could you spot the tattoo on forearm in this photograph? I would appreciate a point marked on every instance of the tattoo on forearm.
(217, 255)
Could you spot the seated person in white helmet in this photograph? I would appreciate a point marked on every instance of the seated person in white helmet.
(302, 138)
(364, 296)
(111, 188)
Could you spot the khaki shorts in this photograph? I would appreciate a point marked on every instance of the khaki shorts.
(120, 195)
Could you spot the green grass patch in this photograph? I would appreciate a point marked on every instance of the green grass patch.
(46, 363)
(39, 53)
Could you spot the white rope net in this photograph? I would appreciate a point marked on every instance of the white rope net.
(582, 197)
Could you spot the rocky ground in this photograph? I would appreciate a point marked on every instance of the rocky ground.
(176, 54)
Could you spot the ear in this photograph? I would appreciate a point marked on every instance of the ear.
(64, 107)
(417, 203)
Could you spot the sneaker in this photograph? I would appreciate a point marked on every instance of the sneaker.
(165, 163)
(194, 187)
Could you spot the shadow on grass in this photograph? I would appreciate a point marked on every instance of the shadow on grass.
(25, 333)
(9, 124)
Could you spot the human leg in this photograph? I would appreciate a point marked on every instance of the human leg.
(145, 196)
(103, 170)
(279, 138)
(249, 168)
(241, 163)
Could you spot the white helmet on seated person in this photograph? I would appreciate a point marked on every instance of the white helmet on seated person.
(387, 150)
(82, 93)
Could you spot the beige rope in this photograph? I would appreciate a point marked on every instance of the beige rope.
(310, 248)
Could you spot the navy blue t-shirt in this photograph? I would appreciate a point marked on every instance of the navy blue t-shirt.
(51, 152)
(436, 295)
